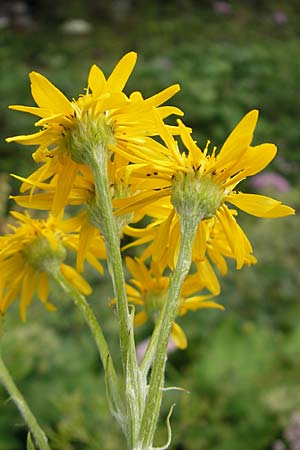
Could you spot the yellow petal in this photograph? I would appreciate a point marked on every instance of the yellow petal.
(197, 302)
(43, 287)
(132, 292)
(10, 294)
(140, 318)
(163, 96)
(257, 158)
(138, 270)
(27, 291)
(96, 80)
(29, 139)
(218, 259)
(161, 240)
(234, 237)
(238, 141)
(65, 182)
(41, 112)
(245, 127)
(76, 279)
(166, 111)
(142, 199)
(280, 211)
(178, 336)
(46, 95)
(93, 261)
(260, 205)
(174, 244)
(199, 245)
(122, 71)
(207, 277)
(37, 201)
(87, 234)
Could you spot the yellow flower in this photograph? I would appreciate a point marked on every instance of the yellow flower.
(162, 240)
(201, 183)
(29, 254)
(104, 115)
(149, 290)
(81, 194)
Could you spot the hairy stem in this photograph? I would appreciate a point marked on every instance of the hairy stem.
(88, 314)
(153, 401)
(35, 429)
(104, 218)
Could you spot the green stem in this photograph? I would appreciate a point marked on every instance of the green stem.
(151, 348)
(103, 216)
(88, 314)
(168, 315)
(38, 434)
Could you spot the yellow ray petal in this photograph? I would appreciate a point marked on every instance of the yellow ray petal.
(244, 129)
(64, 185)
(11, 293)
(132, 292)
(257, 158)
(161, 240)
(27, 291)
(37, 201)
(28, 139)
(75, 279)
(199, 245)
(174, 244)
(207, 277)
(178, 336)
(166, 111)
(122, 71)
(46, 95)
(41, 112)
(93, 261)
(138, 270)
(260, 205)
(96, 80)
(280, 211)
(140, 318)
(43, 287)
(198, 302)
(143, 199)
(87, 234)
(218, 259)
(163, 96)
(232, 232)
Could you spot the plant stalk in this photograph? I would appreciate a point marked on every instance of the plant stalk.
(35, 429)
(107, 224)
(168, 315)
(88, 314)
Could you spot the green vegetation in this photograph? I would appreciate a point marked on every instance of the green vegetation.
(242, 366)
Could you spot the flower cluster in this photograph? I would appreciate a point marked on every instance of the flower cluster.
(34, 250)
(153, 170)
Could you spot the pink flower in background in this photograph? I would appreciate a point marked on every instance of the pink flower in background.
(270, 180)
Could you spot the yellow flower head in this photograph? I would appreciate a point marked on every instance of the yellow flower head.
(150, 291)
(199, 183)
(72, 130)
(161, 239)
(28, 255)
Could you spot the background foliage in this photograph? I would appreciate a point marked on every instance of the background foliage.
(242, 366)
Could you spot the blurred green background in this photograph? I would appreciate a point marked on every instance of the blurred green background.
(242, 367)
